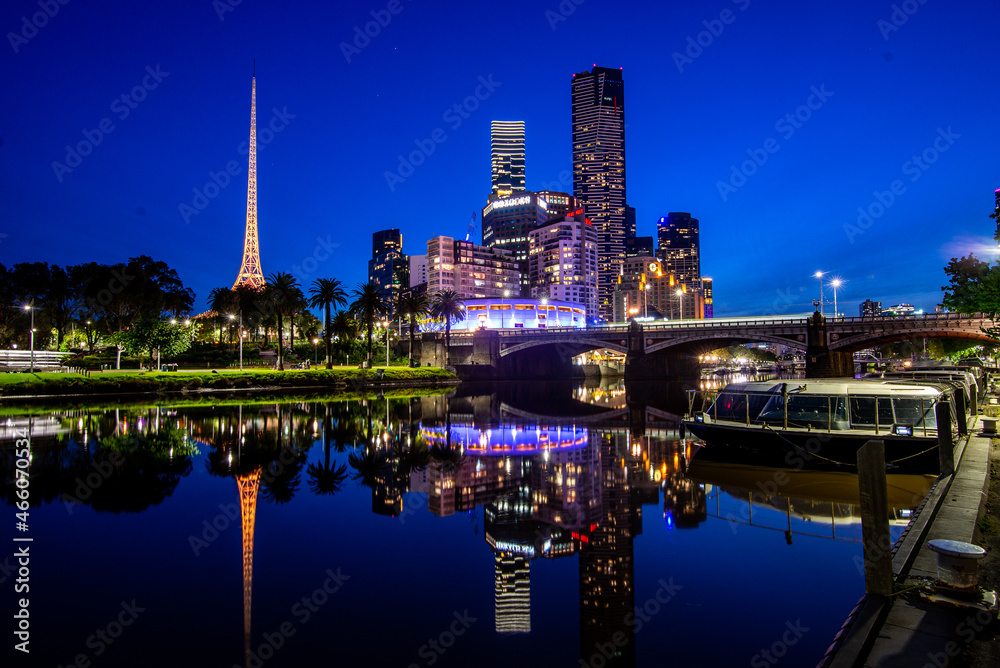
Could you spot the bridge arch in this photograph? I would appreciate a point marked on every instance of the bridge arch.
(584, 344)
(867, 339)
(703, 337)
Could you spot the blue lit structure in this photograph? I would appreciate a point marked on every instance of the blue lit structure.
(517, 313)
(506, 440)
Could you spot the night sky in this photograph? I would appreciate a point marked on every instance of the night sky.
(885, 86)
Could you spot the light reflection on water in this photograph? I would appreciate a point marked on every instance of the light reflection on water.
(549, 516)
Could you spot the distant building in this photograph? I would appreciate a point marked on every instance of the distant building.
(506, 313)
(629, 223)
(418, 269)
(507, 158)
(870, 309)
(679, 248)
(562, 261)
(558, 203)
(706, 293)
(646, 291)
(389, 268)
(899, 309)
(598, 140)
(636, 246)
(506, 224)
(474, 272)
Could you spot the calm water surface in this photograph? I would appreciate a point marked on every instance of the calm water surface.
(546, 525)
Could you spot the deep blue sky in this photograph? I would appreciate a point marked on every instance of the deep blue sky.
(323, 176)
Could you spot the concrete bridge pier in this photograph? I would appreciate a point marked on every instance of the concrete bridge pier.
(670, 364)
(821, 362)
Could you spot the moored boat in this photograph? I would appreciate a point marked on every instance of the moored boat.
(822, 423)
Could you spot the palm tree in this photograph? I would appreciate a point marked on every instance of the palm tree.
(324, 479)
(325, 292)
(413, 305)
(369, 302)
(281, 287)
(449, 305)
(296, 303)
(344, 328)
(221, 300)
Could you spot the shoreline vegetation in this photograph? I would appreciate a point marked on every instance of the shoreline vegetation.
(18, 386)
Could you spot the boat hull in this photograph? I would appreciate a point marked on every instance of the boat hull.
(814, 450)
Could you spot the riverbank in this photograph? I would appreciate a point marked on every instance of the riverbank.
(124, 383)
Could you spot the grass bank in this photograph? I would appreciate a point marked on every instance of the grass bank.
(132, 382)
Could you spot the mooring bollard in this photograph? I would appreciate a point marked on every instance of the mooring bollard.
(946, 449)
(961, 413)
(875, 538)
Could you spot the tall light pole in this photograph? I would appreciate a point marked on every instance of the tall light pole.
(645, 299)
(819, 275)
(506, 293)
(30, 308)
(315, 358)
(233, 317)
(836, 283)
(680, 293)
(386, 325)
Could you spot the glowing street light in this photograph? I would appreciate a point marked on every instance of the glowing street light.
(30, 308)
(386, 325)
(645, 298)
(836, 283)
(819, 275)
(315, 353)
(506, 293)
(680, 293)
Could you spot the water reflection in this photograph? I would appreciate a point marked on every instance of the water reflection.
(567, 476)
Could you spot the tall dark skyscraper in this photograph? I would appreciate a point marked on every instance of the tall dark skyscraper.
(389, 268)
(507, 157)
(599, 169)
(679, 248)
(629, 222)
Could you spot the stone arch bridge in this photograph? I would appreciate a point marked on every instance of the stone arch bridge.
(670, 350)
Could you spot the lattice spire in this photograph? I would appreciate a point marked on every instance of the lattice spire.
(248, 483)
(250, 272)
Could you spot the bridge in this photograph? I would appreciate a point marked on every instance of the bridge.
(671, 349)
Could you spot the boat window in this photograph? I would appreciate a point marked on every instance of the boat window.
(732, 403)
(808, 410)
(863, 412)
(914, 411)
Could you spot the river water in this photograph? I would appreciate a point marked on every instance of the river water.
(529, 524)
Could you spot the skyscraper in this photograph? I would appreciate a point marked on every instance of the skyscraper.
(507, 157)
(506, 224)
(599, 168)
(679, 249)
(389, 268)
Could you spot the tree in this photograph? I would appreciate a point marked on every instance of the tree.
(413, 306)
(974, 286)
(344, 328)
(324, 293)
(223, 302)
(450, 306)
(149, 336)
(369, 302)
(281, 288)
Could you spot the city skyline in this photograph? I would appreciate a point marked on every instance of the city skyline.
(770, 133)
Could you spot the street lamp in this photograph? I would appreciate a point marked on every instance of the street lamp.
(836, 283)
(680, 293)
(819, 275)
(506, 293)
(645, 298)
(233, 317)
(386, 325)
(315, 358)
(30, 308)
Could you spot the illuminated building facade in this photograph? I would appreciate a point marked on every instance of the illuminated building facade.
(680, 250)
(562, 262)
(474, 272)
(507, 157)
(418, 270)
(504, 313)
(599, 168)
(870, 309)
(506, 225)
(706, 293)
(389, 268)
(645, 290)
(559, 203)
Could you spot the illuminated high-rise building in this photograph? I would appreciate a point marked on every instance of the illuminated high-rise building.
(506, 224)
(706, 293)
(599, 168)
(507, 157)
(679, 250)
(389, 268)
(562, 262)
